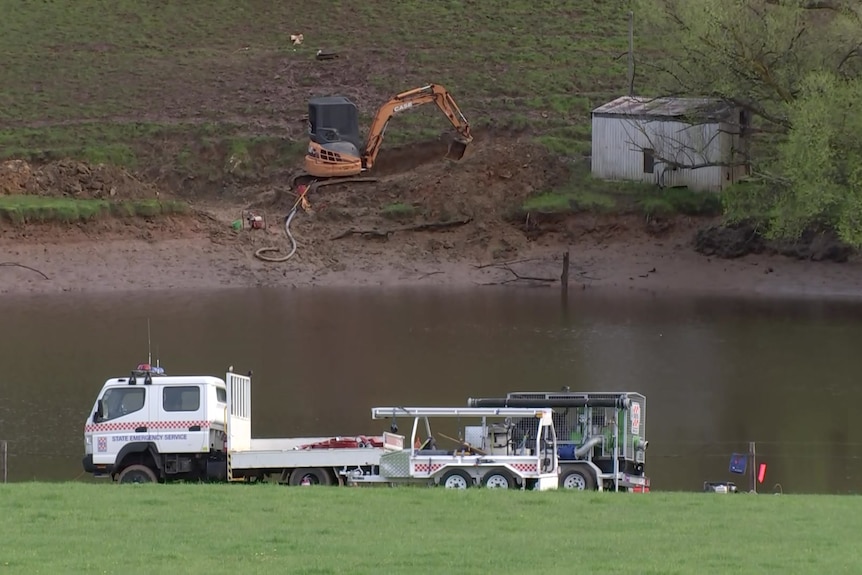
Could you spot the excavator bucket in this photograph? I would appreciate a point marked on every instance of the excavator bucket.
(457, 149)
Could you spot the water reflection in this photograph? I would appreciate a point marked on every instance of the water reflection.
(716, 373)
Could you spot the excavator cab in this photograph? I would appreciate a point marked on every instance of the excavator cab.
(333, 122)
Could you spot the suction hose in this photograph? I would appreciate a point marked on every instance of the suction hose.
(618, 401)
(586, 447)
(259, 253)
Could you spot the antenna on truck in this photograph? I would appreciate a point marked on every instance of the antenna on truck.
(149, 346)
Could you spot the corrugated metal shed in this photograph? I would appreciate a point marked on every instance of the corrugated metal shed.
(704, 109)
(688, 142)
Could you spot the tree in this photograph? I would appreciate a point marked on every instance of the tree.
(821, 160)
(756, 53)
(796, 67)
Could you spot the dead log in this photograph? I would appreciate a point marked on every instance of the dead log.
(529, 278)
(429, 226)
(423, 227)
(376, 234)
(17, 265)
(505, 263)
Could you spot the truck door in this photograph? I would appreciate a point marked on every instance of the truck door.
(182, 425)
(125, 416)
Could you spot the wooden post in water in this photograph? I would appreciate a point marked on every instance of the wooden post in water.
(564, 277)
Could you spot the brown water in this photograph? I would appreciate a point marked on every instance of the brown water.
(717, 373)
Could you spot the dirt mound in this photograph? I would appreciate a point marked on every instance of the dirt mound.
(742, 239)
(495, 176)
(424, 206)
(493, 179)
(728, 241)
(72, 178)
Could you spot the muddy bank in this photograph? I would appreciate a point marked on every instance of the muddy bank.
(206, 263)
(423, 222)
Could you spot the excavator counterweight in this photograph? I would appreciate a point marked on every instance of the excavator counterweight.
(335, 149)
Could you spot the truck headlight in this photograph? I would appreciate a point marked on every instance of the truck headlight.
(88, 440)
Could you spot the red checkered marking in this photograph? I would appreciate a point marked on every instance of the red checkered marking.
(426, 467)
(525, 467)
(150, 425)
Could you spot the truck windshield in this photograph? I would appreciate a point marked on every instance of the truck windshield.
(120, 401)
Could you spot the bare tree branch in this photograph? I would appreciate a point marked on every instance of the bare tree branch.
(835, 5)
(854, 52)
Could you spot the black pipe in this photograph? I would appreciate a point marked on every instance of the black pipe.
(619, 401)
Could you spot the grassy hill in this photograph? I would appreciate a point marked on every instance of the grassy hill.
(143, 83)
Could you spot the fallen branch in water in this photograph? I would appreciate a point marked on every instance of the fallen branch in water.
(15, 264)
(519, 277)
(384, 234)
(507, 263)
(529, 278)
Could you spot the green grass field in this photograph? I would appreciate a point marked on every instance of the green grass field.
(84, 528)
(19, 209)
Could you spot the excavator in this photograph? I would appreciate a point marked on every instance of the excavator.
(336, 154)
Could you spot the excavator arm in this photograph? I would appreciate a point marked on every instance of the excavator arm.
(410, 99)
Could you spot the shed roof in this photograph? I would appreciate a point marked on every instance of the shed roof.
(702, 108)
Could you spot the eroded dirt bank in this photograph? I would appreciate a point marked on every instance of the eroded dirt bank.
(200, 259)
(425, 222)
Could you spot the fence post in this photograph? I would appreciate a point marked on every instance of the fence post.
(752, 451)
(4, 455)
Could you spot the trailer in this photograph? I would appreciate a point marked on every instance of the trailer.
(151, 427)
(601, 435)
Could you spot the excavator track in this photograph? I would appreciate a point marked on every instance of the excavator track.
(314, 183)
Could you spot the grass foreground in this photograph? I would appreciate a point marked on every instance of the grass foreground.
(77, 527)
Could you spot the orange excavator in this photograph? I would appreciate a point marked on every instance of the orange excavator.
(336, 154)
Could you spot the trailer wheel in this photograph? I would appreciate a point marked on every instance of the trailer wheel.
(456, 479)
(577, 478)
(499, 478)
(310, 476)
(137, 474)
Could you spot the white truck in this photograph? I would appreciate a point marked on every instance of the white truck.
(151, 427)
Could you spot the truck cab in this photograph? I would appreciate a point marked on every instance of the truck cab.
(151, 426)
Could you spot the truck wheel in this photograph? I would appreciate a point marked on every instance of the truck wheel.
(499, 479)
(456, 479)
(310, 476)
(577, 478)
(137, 474)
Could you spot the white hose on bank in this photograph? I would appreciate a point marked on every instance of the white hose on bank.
(259, 253)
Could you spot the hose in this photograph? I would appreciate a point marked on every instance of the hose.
(299, 200)
(259, 253)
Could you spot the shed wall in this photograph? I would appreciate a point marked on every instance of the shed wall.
(618, 143)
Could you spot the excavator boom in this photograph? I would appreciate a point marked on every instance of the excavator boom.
(410, 99)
